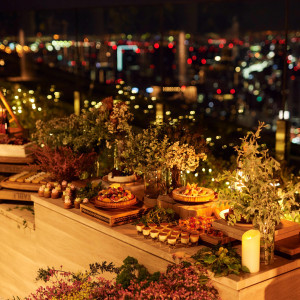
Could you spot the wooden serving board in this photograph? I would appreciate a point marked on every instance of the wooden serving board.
(289, 246)
(215, 240)
(284, 230)
(23, 186)
(116, 216)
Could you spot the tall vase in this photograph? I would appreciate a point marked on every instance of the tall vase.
(165, 185)
(179, 178)
(267, 243)
(183, 178)
(152, 184)
(118, 148)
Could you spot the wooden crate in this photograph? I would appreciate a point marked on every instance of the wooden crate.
(10, 164)
(284, 230)
(114, 217)
(15, 195)
(16, 151)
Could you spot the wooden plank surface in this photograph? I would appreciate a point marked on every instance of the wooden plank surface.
(18, 265)
(67, 237)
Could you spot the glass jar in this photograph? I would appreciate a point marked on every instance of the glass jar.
(152, 184)
(165, 181)
(267, 243)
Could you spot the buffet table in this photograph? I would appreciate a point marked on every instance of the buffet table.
(55, 236)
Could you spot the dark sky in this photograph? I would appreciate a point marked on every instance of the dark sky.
(138, 16)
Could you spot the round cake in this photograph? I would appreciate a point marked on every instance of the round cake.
(193, 193)
(115, 197)
(121, 179)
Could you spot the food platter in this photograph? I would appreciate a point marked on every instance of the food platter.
(239, 224)
(114, 205)
(206, 196)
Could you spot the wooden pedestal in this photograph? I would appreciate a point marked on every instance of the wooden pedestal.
(186, 211)
(14, 165)
(284, 230)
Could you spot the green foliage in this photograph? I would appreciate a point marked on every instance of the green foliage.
(253, 191)
(94, 269)
(26, 207)
(131, 270)
(80, 133)
(89, 191)
(293, 216)
(159, 215)
(145, 151)
(222, 261)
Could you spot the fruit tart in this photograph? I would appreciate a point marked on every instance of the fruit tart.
(115, 197)
(193, 193)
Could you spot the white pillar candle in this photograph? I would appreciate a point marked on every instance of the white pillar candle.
(251, 250)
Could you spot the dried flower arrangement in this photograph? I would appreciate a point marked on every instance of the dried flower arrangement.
(63, 163)
(183, 157)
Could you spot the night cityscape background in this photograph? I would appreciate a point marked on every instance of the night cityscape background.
(220, 66)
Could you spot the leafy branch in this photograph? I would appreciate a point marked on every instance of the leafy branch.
(222, 261)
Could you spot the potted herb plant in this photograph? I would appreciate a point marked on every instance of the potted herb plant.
(254, 193)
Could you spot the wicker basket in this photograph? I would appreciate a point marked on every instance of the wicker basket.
(121, 204)
(177, 195)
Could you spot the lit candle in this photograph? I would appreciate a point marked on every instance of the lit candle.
(251, 249)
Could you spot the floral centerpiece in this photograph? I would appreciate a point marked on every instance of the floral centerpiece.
(187, 149)
(83, 136)
(182, 158)
(254, 194)
(118, 128)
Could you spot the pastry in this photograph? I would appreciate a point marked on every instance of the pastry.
(139, 227)
(47, 192)
(67, 202)
(54, 194)
(22, 178)
(194, 238)
(115, 198)
(162, 237)
(64, 184)
(41, 191)
(77, 202)
(154, 233)
(17, 176)
(184, 239)
(172, 240)
(193, 193)
(146, 231)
